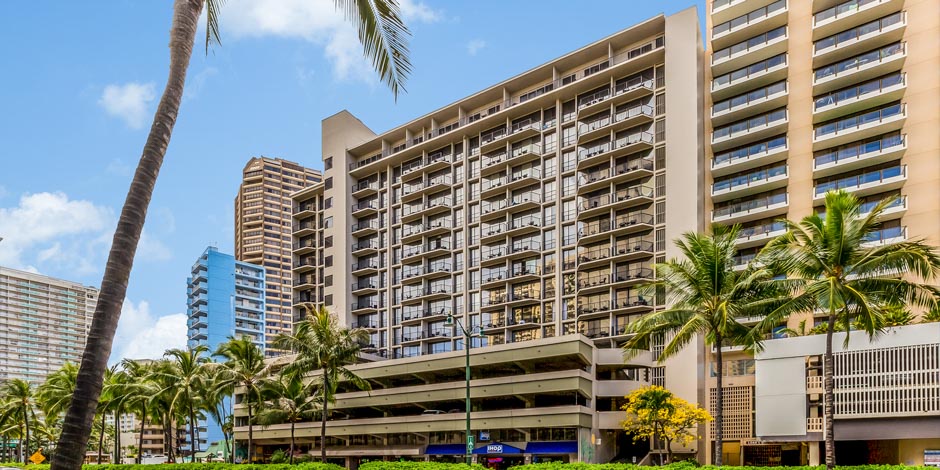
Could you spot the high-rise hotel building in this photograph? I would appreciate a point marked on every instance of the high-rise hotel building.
(44, 323)
(803, 97)
(263, 227)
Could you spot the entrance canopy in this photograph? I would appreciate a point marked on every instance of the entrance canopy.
(552, 447)
(497, 448)
(446, 449)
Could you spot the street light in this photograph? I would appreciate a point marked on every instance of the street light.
(468, 335)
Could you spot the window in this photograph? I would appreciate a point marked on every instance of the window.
(549, 236)
(328, 163)
(568, 111)
(660, 104)
(549, 192)
(549, 216)
(660, 239)
(570, 235)
(570, 161)
(548, 167)
(569, 136)
(551, 142)
(660, 130)
(661, 185)
(661, 212)
(660, 158)
(569, 186)
(660, 76)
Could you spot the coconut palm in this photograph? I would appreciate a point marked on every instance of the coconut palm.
(324, 348)
(834, 270)
(289, 399)
(217, 402)
(384, 37)
(139, 394)
(19, 408)
(243, 368)
(707, 296)
(55, 393)
(185, 378)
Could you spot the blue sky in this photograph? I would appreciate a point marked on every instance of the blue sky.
(82, 79)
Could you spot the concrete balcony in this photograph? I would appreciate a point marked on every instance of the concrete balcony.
(726, 10)
(863, 38)
(885, 236)
(746, 78)
(755, 128)
(754, 102)
(365, 208)
(867, 66)
(603, 177)
(864, 96)
(752, 156)
(751, 183)
(850, 14)
(852, 157)
(748, 25)
(759, 235)
(865, 184)
(608, 124)
(594, 154)
(754, 209)
(755, 49)
(859, 127)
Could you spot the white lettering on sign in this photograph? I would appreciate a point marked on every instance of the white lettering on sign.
(494, 449)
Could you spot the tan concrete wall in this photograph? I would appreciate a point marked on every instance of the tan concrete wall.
(911, 451)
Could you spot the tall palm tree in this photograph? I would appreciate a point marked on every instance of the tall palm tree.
(243, 368)
(55, 393)
(186, 376)
(289, 399)
(323, 347)
(216, 401)
(20, 408)
(832, 269)
(707, 297)
(105, 405)
(384, 37)
(139, 395)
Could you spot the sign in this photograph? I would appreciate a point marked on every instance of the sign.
(484, 435)
(37, 458)
(469, 444)
(494, 449)
(932, 458)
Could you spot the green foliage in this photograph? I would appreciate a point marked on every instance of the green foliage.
(407, 465)
(684, 465)
(192, 466)
(278, 456)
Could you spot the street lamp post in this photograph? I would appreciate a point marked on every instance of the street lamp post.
(468, 335)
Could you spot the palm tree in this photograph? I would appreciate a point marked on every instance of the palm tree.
(321, 345)
(56, 391)
(105, 404)
(216, 401)
(186, 375)
(20, 408)
(289, 399)
(139, 395)
(707, 297)
(384, 37)
(243, 367)
(832, 269)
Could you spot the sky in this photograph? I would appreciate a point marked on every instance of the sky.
(82, 80)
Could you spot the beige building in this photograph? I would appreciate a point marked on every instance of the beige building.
(43, 324)
(803, 97)
(263, 226)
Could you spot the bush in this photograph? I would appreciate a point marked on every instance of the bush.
(278, 456)
(409, 465)
(195, 466)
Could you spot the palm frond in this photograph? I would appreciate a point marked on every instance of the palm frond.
(384, 37)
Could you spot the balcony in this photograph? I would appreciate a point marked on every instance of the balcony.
(413, 191)
(758, 127)
(863, 96)
(493, 231)
(523, 248)
(431, 228)
(493, 139)
(525, 129)
(626, 197)
(593, 308)
(632, 303)
(590, 156)
(622, 224)
(868, 36)
(754, 75)
(606, 124)
(305, 210)
(523, 201)
(365, 188)
(860, 126)
(754, 49)
(604, 176)
(434, 290)
(305, 264)
(726, 10)
(752, 156)
(366, 266)
(363, 247)
(605, 98)
(494, 276)
(850, 14)
(885, 236)
(633, 275)
(524, 224)
(302, 229)
(756, 235)
(364, 287)
(304, 282)
(525, 273)
(366, 306)
(864, 184)
(747, 25)
(594, 281)
(365, 227)
(364, 208)
(525, 152)
(866, 66)
(437, 205)
(859, 154)
(757, 101)
(745, 211)
(304, 247)
(750, 183)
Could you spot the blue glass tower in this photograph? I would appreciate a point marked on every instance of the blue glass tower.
(225, 298)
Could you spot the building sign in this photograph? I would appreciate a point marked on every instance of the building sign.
(931, 457)
(484, 436)
(494, 449)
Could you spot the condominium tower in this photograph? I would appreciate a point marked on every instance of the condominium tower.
(43, 323)
(263, 225)
(804, 97)
(530, 212)
(224, 298)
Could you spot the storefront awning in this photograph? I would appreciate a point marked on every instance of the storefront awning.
(446, 449)
(552, 447)
(497, 448)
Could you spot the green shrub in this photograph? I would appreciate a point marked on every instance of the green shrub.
(408, 465)
(278, 456)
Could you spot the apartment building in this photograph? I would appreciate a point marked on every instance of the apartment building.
(224, 298)
(805, 97)
(44, 322)
(555, 399)
(263, 226)
(310, 279)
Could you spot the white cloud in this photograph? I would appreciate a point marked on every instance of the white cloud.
(475, 45)
(128, 102)
(142, 335)
(117, 167)
(315, 21)
(196, 82)
(51, 232)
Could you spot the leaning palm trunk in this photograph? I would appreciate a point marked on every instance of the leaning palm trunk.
(719, 404)
(70, 450)
(828, 394)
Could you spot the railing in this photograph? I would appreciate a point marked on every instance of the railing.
(525, 271)
(593, 279)
(753, 150)
(363, 185)
(646, 137)
(365, 224)
(856, 149)
(857, 121)
(526, 221)
(365, 245)
(856, 33)
(493, 229)
(530, 196)
(884, 234)
(368, 284)
(531, 172)
(751, 17)
(493, 135)
(362, 205)
(859, 61)
(877, 85)
(759, 230)
(594, 254)
(747, 206)
(368, 305)
(626, 274)
(624, 220)
(535, 149)
(745, 126)
(745, 73)
(746, 180)
(743, 260)
(493, 159)
(866, 207)
(491, 252)
(494, 274)
(841, 9)
(524, 245)
(367, 264)
(743, 47)
(747, 98)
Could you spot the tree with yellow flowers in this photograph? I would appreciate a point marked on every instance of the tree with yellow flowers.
(654, 413)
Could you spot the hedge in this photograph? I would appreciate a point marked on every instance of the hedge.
(191, 466)
(407, 465)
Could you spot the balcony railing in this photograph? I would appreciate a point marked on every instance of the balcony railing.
(878, 176)
(859, 61)
(747, 125)
(750, 18)
(872, 28)
(746, 99)
(362, 205)
(760, 230)
(744, 47)
(859, 91)
(747, 180)
(748, 206)
(854, 122)
(842, 9)
(745, 153)
(858, 149)
(632, 273)
(748, 72)
(886, 234)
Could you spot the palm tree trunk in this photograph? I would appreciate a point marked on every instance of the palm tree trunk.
(829, 395)
(292, 422)
(192, 434)
(117, 436)
(101, 437)
(70, 450)
(326, 403)
(26, 449)
(140, 440)
(719, 403)
(249, 431)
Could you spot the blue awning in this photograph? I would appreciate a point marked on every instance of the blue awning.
(552, 447)
(497, 448)
(446, 449)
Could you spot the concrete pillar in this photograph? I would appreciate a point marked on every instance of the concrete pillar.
(814, 453)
